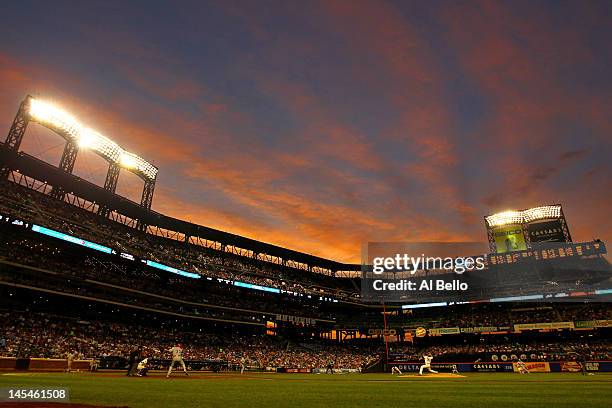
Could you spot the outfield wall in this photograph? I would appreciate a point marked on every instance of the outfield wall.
(507, 367)
(45, 364)
(42, 364)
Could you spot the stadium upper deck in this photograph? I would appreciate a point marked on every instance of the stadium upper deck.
(36, 192)
(41, 176)
(60, 183)
(32, 207)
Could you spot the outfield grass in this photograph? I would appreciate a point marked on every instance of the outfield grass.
(311, 390)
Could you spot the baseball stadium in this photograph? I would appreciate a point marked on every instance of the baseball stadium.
(115, 293)
(97, 289)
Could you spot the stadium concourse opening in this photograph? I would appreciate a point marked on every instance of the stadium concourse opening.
(95, 285)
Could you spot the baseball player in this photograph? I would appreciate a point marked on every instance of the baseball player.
(396, 370)
(522, 367)
(243, 362)
(143, 368)
(132, 361)
(69, 359)
(177, 356)
(427, 365)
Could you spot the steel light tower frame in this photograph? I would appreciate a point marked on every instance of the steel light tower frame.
(79, 137)
(16, 132)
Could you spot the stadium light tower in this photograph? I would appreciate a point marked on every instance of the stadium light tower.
(19, 126)
(526, 227)
(16, 132)
(78, 137)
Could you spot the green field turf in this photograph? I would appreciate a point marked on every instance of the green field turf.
(338, 390)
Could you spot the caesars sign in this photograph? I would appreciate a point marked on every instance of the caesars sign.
(509, 238)
(546, 231)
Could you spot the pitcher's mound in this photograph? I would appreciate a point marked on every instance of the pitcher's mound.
(439, 375)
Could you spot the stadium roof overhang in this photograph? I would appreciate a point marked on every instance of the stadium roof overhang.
(45, 172)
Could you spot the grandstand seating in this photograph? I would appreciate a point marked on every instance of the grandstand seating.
(58, 297)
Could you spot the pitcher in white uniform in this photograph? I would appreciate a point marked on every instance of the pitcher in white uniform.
(427, 365)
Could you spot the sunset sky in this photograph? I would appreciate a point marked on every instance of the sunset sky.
(323, 125)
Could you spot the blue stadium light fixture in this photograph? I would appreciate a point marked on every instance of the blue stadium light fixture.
(421, 305)
(70, 238)
(256, 287)
(170, 269)
(516, 298)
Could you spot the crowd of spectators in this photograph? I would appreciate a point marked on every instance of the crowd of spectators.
(500, 315)
(81, 273)
(505, 349)
(26, 334)
(544, 350)
(49, 336)
(71, 271)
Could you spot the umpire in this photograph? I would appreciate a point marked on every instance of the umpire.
(132, 360)
(581, 359)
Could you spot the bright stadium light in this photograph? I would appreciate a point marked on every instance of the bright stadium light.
(519, 217)
(504, 218)
(86, 140)
(90, 139)
(542, 213)
(50, 115)
(59, 120)
(128, 160)
(137, 163)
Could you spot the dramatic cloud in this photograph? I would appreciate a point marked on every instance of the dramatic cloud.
(322, 126)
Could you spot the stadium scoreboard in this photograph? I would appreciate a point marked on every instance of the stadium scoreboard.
(567, 250)
(512, 231)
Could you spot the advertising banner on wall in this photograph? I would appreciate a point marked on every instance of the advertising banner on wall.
(440, 367)
(543, 326)
(546, 231)
(506, 366)
(574, 366)
(491, 367)
(534, 367)
(443, 330)
(591, 324)
(479, 329)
